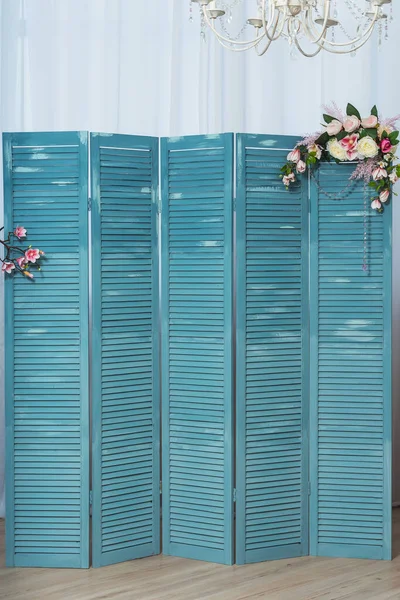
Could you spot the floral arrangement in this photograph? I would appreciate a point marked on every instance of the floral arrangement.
(18, 259)
(371, 140)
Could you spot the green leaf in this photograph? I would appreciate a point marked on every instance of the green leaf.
(374, 111)
(385, 135)
(393, 137)
(328, 118)
(341, 135)
(352, 111)
(371, 132)
(323, 139)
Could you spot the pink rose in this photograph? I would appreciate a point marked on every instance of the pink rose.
(384, 196)
(370, 122)
(294, 155)
(301, 166)
(334, 127)
(32, 255)
(8, 267)
(379, 173)
(386, 146)
(375, 204)
(351, 124)
(21, 261)
(20, 232)
(28, 274)
(350, 144)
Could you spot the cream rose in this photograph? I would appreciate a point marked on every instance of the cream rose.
(367, 147)
(336, 150)
(334, 127)
(383, 128)
(351, 124)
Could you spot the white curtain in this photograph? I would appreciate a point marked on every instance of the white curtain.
(140, 67)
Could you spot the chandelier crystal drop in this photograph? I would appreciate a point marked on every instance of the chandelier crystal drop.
(337, 26)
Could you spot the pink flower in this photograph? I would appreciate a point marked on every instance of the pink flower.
(288, 179)
(386, 146)
(375, 204)
(20, 232)
(393, 177)
(28, 274)
(21, 261)
(370, 122)
(294, 155)
(334, 127)
(8, 267)
(350, 144)
(32, 255)
(301, 166)
(316, 149)
(379, 173)
(384, 196)
(351, 124)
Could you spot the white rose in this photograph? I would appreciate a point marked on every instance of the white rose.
(367, 147)
(336, 150)
(334, 127)
(351, 124)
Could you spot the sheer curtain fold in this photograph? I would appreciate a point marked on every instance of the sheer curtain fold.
(141, 67)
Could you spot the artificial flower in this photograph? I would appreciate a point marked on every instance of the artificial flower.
(317, 150)
(370, 122)
(384, 128)
(28, 274)
(32, 255)
(294, 155)
(367, 147)
(384, 196)
(386, 145)
(288, 179)
(20, 232)
(336, 149)
(21, 261)
(393, 177)
(379, 173)
(375, 204)
(301, 166)
(8, 267)
(351, 124)
(334, 127)
(349, 143)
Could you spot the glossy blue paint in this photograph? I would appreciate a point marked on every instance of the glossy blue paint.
(47, 405)
(350, 452)
(272, 354)
(197, 411)
(125, 353)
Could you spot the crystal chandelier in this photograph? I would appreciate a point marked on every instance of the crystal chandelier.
(309, 25)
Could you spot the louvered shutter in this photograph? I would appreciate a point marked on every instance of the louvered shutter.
(46, 347)
(350, 507)
(197, 432)
(271, 354)
(125, 358)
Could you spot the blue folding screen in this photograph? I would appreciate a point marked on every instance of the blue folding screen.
(272, 354)
(46, 331)
(350, 425)
(125, 367)
(197, 347)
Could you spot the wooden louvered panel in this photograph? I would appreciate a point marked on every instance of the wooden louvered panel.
(350, 412)
(272, 355)
(197, 369)
(125, 348)
(46, 354)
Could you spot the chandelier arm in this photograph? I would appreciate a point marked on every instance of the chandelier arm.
(308, 14)
(333, 50)
(269, 42)
(232, 49)
(248, 43)
(267, 25)
(363, 37)
(306, 54)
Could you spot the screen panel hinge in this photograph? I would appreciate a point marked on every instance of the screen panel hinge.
(234, 494)
(90, 497)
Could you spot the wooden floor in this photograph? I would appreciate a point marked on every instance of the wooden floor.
(166, 578)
